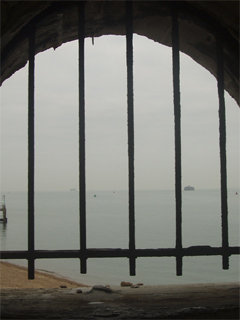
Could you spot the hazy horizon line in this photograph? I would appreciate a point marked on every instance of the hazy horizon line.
(117, 190)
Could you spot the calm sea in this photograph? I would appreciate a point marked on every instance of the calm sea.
(57, 227)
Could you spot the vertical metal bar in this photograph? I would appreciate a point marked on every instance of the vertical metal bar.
(177, 119)
(222, 144)
(31, 261)
(129, 39)
(82, 176)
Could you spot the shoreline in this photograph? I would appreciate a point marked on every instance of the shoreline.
(13, 276)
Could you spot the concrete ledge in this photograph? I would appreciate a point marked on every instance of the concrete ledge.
(195, 301)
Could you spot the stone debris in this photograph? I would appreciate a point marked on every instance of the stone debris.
(126, 284)
(101, 288)
(79, 291)
(63, 286)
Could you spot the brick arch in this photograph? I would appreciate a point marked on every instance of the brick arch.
(56, 23)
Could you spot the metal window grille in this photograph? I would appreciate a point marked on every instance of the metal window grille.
(131, 253)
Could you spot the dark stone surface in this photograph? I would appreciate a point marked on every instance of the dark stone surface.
(208, 301)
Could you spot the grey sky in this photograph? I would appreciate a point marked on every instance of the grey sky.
(56, 109)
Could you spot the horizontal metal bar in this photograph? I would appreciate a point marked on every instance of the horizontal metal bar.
(120, 253)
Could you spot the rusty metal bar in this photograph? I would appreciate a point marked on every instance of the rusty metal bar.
(129, 39)
(121, 253)
(31, 72)
(177, 126)
(82, 175)
(222, 144)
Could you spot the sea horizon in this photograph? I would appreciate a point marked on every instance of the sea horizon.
(57, 228)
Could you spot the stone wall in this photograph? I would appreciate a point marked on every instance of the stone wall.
(56, 23)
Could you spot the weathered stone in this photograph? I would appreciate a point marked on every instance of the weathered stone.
(56, 23)
(126, 284)
(205, 301)
(79, 291)
(101, 288)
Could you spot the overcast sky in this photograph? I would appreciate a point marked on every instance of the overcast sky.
(56, 110)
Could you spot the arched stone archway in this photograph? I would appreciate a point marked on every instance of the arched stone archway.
(56, 23)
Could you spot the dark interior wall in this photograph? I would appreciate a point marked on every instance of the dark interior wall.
(56, 23)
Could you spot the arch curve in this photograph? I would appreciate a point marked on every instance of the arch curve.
(56, 23)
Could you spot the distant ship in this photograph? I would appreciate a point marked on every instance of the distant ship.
(189, 188)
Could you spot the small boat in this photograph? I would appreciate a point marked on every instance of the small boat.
(189, 188)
